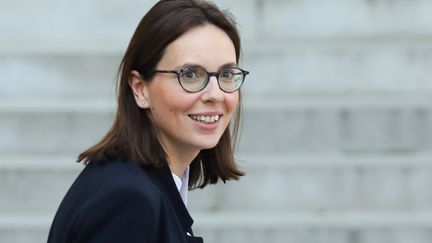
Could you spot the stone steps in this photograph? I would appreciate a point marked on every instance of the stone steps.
(315, 183)
(337, 128)
(349, 124)
(342, 227)
(324, 183)
(339, 65)
(255, 220)
(358, 226)
(89, 71)
(258, 19)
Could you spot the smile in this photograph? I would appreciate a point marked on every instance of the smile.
(206, 119)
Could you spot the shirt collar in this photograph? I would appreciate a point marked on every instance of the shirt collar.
(182, 184)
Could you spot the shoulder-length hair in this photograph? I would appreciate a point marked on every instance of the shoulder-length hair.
(133, 136)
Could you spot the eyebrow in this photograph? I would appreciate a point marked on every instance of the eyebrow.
(191, 64)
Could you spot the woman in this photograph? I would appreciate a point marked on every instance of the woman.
(178, 89)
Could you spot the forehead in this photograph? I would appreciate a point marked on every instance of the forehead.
(206, 45)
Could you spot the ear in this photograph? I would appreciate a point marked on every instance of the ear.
(140, 90)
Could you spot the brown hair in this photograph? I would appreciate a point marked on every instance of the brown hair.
(133, 136)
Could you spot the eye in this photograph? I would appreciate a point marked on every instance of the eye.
(227, 74)
(230, 74)
(190, 74)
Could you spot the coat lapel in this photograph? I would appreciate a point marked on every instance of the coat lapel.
(167, 185)
(165, 182)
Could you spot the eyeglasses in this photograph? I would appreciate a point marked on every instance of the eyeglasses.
(195, 78)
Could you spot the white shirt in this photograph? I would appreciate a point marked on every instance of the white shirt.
(182, 184)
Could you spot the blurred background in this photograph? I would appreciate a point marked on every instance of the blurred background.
(337, 131)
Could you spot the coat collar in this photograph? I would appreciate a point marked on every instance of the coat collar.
(165, 182)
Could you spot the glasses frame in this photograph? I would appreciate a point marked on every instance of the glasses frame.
(209, 75)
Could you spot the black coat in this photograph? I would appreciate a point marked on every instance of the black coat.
(119, 201)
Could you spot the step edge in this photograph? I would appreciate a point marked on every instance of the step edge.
(359, 219)
(253, 102)
(248, 161)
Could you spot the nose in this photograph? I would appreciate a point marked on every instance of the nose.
(212, 92)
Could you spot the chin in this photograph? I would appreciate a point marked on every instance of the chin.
(208, 145)
(207, 142)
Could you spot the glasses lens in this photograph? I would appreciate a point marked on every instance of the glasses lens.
(231, 79)
(193, 78)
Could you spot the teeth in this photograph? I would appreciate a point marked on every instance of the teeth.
(207, 119)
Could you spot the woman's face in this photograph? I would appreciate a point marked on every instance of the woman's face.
(179, 114)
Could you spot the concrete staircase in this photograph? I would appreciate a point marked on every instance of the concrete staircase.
(337, 130)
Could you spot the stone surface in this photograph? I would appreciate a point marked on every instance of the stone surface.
(337, 131)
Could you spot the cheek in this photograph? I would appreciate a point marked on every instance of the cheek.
(231, 101)
(174, 103)
(181, 103)
(167, 97)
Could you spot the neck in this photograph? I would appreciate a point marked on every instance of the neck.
(179, 166)
(180, 159)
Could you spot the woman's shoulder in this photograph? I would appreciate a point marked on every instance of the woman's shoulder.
(118, 174)
(105, 195)
(113, 179)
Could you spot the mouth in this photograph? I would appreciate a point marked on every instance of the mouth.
(206, 118)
